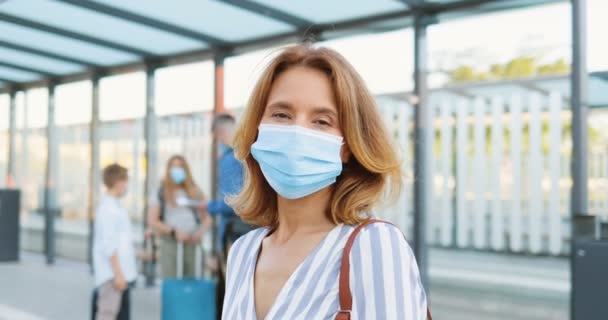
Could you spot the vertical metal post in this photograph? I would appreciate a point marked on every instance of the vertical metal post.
(24, 147)
(218, 83)
(579, 108)
(218, 107)
(94, 177)
(50, 209)
(151, 179)
(12, 136)
(583, 224)
(422, 147)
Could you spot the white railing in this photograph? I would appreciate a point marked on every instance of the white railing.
(500, 172)
(500, 167)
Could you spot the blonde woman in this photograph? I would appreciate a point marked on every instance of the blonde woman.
(317, 159)
(176, 215)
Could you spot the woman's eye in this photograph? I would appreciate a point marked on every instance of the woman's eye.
(280, 115)
(323, 122)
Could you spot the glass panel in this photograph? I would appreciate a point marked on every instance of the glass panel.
(384, 60)
(122, 107)
(61, 45)
(37, 108)
(17, 75)
(73, 104)
(20, 110)
(123, 142)
(4, 116)
(320, 11)
(241, 74)
(122, 96)
(184, 103)
(211, 17)
(508, 156)
(184, 89)
(598, 91)
(597, 50)
(72, 116)
(89, 22)
(459, 58)
(31, 159)
(598, 163)
(37, 62)
(188, 135)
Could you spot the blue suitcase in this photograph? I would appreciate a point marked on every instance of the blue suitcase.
(188, 299)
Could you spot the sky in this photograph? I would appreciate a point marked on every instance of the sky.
(384, 60)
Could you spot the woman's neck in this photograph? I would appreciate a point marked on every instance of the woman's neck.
(303, 216)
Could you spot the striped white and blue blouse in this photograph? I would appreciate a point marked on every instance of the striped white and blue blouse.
(384, 278)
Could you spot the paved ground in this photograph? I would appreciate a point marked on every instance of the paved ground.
(464, 285)
(61, 292)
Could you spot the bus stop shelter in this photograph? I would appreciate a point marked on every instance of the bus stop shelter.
(76, 40)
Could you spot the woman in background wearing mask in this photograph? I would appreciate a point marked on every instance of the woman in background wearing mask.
(317, 160)
(176, 217)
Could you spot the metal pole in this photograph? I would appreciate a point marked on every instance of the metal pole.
(218, 107)
(579, 108)
(94, 178)
(151, 152)
(24, 148)
(583, 224)
(49, 189)
(422, 147)
(12, 135)
(218, 83)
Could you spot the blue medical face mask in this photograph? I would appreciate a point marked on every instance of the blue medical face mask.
(178, 175)
(297, 161)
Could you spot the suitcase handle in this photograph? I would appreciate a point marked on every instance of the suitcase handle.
(180, 261)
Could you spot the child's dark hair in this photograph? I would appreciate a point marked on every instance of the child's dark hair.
(114, 173)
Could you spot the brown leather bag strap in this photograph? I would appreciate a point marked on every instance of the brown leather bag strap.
(345, 295)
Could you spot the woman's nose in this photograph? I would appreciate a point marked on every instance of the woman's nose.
(302, 120)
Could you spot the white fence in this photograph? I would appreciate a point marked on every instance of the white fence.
(500, 171)
(500, 167)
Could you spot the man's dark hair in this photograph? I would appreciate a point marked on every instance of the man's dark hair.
(221, 120)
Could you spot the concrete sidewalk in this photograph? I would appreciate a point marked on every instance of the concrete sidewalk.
(464, 286)
(468, 285)
(31, 290)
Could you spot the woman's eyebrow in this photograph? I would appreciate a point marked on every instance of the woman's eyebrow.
(280, 105)
(325, 110)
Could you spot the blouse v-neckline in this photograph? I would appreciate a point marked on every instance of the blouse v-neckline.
(286, 286)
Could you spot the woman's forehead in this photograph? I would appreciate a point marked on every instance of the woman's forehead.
(302, 88)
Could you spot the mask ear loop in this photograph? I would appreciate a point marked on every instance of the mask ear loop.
(343, 143)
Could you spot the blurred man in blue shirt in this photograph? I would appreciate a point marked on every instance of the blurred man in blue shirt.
(230, 181)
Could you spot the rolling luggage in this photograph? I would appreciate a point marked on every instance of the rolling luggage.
(188, 299)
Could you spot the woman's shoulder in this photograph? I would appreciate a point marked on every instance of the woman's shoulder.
(379, 226)
(385, 244)
(381, 236)
(251, 236)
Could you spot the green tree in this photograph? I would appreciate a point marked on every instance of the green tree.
(558, 67)
(520, 67)
(463, 74)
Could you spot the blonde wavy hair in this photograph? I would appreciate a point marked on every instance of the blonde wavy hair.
(372, 167)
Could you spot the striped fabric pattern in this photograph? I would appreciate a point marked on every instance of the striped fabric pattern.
(385, 280)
